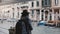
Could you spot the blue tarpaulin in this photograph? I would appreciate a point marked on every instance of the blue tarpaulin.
(41, 23)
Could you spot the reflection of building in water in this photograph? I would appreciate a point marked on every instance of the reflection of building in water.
(39, 10)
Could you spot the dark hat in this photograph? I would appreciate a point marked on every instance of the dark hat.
(25, 12)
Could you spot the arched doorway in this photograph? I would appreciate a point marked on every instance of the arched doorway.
(38, 14)
(46, 15)
(42, 15)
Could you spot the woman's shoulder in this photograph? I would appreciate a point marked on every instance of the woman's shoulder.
(19, 21)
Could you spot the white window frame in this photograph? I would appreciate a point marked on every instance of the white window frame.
(56, 2)
(47, 3)
(37, 3)
(32, 13)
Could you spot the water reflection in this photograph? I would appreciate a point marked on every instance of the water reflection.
(36, 29)
(46, 30)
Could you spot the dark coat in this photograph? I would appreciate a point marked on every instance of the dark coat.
(18, 27)
(27, 25)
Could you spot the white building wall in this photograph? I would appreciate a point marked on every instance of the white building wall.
(40, 4)
(30, 2)
(40, 14)
(59, 3)
(59, 13)
(29, 9)
(15, 11)
(53, 15)
(35, 7)
(53, 4)
(55, 7)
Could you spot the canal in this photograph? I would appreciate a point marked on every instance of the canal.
(36, 29)
(45, 30)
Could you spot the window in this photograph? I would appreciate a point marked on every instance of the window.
(37, 3)
(50, 17)
(32, 13)
(8, 11)
(32, 4)
(45, 16)
(46, 12)
(42, 11)
(58, 11)
(56, 2)
(58, 18)
(46, 3)
(38, 12)
(42, 16)
(13, 9)
(18, 8)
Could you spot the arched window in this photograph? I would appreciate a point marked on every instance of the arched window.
(42, 11)
(46, 3)
(58, 18)
(42, 14)
(37, 3)
(32, 13)
(8, 11)
(46, 12)
(38, 12)
(56, 2)
(50, 17)
(32, 4)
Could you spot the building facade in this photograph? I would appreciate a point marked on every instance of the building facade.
(45, 10)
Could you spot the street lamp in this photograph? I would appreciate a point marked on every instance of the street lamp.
(18, 11)
(13, 15)
(13, 12)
